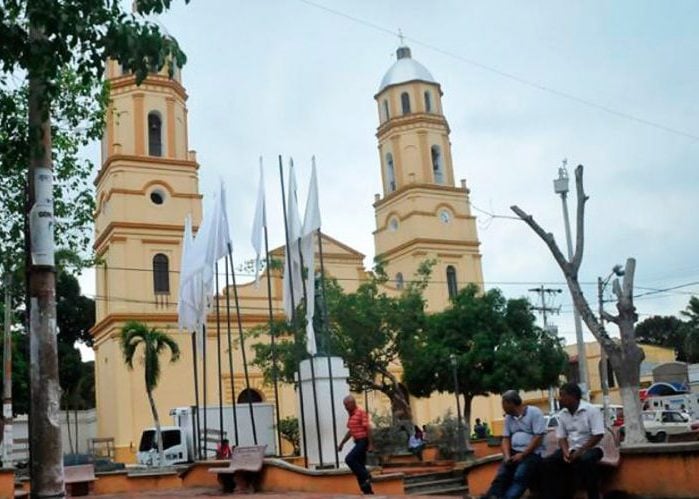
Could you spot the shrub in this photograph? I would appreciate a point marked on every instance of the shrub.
(289, 428)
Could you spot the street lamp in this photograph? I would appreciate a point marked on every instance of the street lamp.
(460, 428)
(560, 186)
(604, 371)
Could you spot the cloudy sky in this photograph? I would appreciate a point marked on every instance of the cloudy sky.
(611, 85)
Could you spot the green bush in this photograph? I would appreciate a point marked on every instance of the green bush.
(444, 433)
(289, 428)
(390, 437)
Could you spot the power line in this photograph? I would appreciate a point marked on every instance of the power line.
(510, 76)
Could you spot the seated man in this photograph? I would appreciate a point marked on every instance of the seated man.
(522, 447)
(580, 430)
(480, 431)
(415, 443)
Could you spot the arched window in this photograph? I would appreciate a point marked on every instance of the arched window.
(400, 283)
(254, 395)
(451, 282)
(155, 134)
(161, 274)
(390, 172)
(428, 101)
(405, 102)
(386, 112)
(437, 164)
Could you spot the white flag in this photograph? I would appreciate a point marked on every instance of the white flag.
(293, 287)
(259, 224)
(186, 306)
(311, 224)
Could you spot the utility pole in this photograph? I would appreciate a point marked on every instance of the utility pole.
(560, 186)
(45, 450)
(542, 292)
(7, 377)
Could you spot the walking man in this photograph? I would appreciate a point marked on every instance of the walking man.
(358, 428)
(580, 431)
(522, 447)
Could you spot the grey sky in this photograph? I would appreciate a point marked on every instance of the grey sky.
(283, 77)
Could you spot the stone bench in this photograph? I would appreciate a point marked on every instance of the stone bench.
(79, 479)
(243, 470)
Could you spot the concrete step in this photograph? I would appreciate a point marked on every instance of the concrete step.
(456, 491)
(429, 477)
(420, 488)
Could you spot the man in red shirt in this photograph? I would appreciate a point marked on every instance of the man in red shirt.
(358, 428)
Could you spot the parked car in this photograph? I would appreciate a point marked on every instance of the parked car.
(660, 424)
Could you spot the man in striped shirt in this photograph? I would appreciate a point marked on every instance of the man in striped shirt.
(358, 428)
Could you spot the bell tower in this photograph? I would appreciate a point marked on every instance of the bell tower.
(147, 184)
(422, 214)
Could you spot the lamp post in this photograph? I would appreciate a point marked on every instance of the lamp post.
(460, 427)
(604, 371)
(560, 186)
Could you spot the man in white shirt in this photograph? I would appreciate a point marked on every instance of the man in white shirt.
(580, 431)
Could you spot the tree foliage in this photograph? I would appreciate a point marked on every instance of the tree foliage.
(78, 37)
(494, 342)
(664, 331)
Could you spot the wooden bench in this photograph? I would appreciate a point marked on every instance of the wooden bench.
(243, 470)
(79, 479)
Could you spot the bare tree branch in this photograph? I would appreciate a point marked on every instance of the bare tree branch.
(610, 318)
(580, 220)
(547, 237)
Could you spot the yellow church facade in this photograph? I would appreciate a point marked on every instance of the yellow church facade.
(148, 183)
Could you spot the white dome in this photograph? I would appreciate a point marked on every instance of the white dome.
(405, 69)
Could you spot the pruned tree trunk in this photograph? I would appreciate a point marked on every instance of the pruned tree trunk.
(625, 355)
(158, 432)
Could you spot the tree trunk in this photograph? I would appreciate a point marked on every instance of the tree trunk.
(46, 453)
(400, 407)
(158, 433)
(468, 398)
(77, 440)
(70, 439)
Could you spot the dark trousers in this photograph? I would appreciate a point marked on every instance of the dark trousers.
(560, 479)
(513, 479)
(356, 460)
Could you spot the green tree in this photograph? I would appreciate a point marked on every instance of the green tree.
(691, 341)
(42, 39)
(289, 429)
(494, 342)
(664, 331)
(154, 343)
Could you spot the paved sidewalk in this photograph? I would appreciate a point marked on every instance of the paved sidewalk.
(215, 494)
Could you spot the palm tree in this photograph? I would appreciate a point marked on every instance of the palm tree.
(154, 343)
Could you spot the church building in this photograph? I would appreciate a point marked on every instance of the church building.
(148, 183)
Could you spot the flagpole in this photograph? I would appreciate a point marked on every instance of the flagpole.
(197, 437)
(273, 340)
(206, 419)
(242, 344)
(313, 370)
(326, 327)
(230, 356)
(293, 310)
(218, 354)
